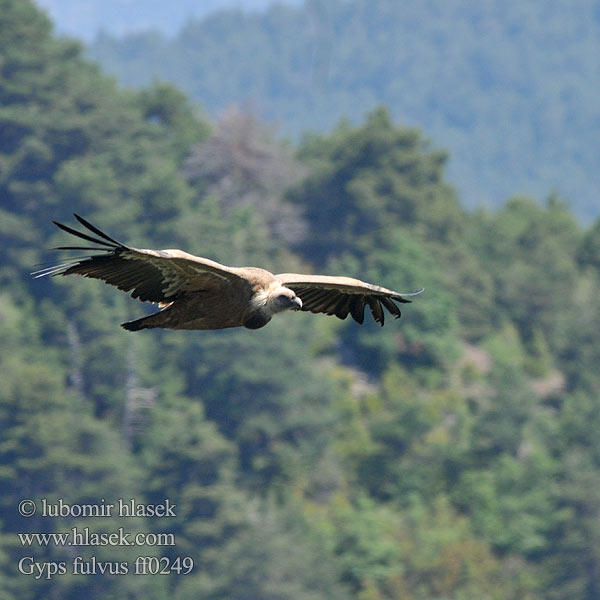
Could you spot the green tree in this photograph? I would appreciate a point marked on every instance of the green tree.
(272, 398)
(589, 249)
(279, 556)
(531, 252)
(367, 181)
(188, 462)
(570, 560)
(80, 144)
(427, 551)
(53, 447)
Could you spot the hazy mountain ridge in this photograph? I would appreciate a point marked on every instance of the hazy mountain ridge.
(85, 18)
(509, 89)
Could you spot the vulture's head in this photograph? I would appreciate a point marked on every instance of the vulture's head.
(269, 301)
(282, 298)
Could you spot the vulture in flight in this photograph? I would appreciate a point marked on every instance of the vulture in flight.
(198, 293)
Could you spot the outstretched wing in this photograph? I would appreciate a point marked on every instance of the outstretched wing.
(341, 296)
(153, 275)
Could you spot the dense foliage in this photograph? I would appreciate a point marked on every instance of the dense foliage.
(509, 87)
(452, 454)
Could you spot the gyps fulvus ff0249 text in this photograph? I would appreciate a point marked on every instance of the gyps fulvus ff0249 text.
(198, 293)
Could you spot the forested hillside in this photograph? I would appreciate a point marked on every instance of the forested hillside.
(452, 454)
(509, 87)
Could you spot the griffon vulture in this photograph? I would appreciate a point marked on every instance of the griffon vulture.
(198, 293)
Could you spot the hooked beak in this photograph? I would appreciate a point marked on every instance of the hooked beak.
(296, 303)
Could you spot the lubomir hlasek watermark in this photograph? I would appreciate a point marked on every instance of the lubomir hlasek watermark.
(85, 537)
(122, 508)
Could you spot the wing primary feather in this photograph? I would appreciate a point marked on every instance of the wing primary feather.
(357, 309)
(331, 301)
(49, 271)
(391, 306)
(97, 231)
(51, 264)
(79, 248)
(376, 310)
(343, 307)
(81, 235)
(400, 297)
(416, 293)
